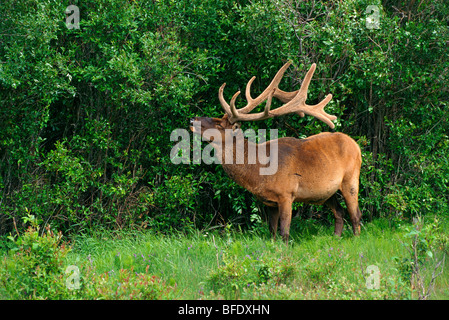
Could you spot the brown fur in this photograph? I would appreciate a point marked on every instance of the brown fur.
(310, 170)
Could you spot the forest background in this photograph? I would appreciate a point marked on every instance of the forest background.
(86, 114)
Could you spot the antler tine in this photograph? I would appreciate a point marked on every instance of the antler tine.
(306, 81)
(235, 115)
(252, 103)
(248, 89)
(298, 104)
(224, 104)
(295, 102)
(288, 96)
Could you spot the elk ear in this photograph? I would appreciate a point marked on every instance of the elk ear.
(235, 127)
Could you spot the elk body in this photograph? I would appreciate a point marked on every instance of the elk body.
(309, 170)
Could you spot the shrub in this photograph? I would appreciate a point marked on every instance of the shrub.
(422, 241)
(240, 277)
(35, 268)
(125, 284)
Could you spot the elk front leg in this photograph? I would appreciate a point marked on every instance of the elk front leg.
(285, 215)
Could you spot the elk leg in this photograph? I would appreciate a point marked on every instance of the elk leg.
(338, 211)
(350, 193)
(274, 218)
(285, 213)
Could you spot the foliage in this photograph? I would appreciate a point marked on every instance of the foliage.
(209, 265)
(34, 268)
(238, 276)
(86, 114)
(126, 285)
(330, 273)
(422, 243)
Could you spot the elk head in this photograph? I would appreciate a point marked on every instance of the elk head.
(220, 124)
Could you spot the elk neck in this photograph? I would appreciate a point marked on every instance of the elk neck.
(240, 160)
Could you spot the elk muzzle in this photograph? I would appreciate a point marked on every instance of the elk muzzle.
(192, 124)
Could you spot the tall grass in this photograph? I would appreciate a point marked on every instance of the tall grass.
(250, 265)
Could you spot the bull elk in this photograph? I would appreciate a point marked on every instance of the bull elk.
(310, 170)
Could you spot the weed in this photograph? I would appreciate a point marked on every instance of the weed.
(421, 241)
(34, 268)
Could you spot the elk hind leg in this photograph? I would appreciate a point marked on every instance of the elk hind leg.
(350, 192)
(273, 213)
(338, 211)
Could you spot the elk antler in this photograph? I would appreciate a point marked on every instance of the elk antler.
(295, 101)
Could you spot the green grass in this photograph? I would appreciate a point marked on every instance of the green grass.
(230, 264)
(250, 265)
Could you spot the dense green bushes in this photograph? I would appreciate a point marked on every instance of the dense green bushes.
(86, 115)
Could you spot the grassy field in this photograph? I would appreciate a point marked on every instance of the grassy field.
(389, 260)
(250, 265)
